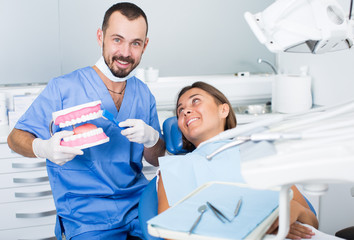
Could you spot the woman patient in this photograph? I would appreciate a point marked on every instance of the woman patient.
(203, 112)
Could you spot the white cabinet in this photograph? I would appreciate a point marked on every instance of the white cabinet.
(26, 203)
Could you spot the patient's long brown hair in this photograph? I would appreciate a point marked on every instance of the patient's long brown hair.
(219, 98)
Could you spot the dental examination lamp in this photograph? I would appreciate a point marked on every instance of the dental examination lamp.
(303, 26)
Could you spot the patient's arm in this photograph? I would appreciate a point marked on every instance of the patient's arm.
(161, 197)
(299, 212)
(302, 210)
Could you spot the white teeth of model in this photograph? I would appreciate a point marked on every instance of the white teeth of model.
(90, 116)
(67, 123)
(83, 118)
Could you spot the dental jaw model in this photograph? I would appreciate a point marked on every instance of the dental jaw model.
(86, 135)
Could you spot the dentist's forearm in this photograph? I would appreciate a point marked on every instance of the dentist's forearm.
(152, 154)
(21, 142)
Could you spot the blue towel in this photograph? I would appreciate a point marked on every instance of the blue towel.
(256, 206)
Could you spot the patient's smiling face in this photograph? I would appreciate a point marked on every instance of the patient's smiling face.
(199, 116)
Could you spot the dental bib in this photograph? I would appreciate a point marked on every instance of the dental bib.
(102, 66)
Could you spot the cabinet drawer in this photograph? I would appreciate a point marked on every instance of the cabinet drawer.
(45, 232)
(11, 165)
(25, 193)
(27, 214)
(23, 179)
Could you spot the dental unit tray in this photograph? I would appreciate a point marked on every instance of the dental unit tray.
(86, 135)
(255, 216)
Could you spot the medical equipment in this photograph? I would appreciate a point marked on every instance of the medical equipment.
(238, 207)
(307, 26)
(201, 210)
(325, 144)
(217, 212)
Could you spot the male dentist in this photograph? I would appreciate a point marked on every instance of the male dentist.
(96, 190)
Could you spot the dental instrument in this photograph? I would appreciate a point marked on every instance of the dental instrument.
(238, 206)
(201, 210)
(217, 213)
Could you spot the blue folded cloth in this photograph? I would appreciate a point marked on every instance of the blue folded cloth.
(256, 206)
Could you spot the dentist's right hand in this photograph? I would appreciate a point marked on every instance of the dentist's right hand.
(53, 151)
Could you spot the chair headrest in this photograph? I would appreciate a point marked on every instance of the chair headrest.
(173, 136)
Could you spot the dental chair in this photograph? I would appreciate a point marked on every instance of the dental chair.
(148, 201)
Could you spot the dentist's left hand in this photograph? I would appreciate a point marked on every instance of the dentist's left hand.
(138, 131)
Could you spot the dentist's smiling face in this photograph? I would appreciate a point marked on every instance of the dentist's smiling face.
(199, 116)
(123, 43)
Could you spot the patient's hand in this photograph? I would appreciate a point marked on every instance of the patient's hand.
(296, 230)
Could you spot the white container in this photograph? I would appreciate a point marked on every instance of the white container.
(151, 74)
(140, 73)
(3, 110)
(291, 94)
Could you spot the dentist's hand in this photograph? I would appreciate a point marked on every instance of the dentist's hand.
(138, 131)
(52, 150)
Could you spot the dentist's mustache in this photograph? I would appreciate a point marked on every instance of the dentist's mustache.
(124, 59)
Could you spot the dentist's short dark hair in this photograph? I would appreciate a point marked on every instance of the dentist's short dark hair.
(129, 10)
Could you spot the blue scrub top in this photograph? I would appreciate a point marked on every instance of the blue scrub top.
(99, 190)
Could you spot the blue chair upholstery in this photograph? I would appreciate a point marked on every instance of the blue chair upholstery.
(173, 136)
(148, 208)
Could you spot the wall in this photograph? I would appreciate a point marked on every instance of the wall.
(46, 38)
(29, 43)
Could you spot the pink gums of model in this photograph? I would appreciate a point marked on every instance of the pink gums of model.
(86, 135)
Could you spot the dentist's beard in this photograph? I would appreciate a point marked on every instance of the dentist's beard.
(117, 72)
